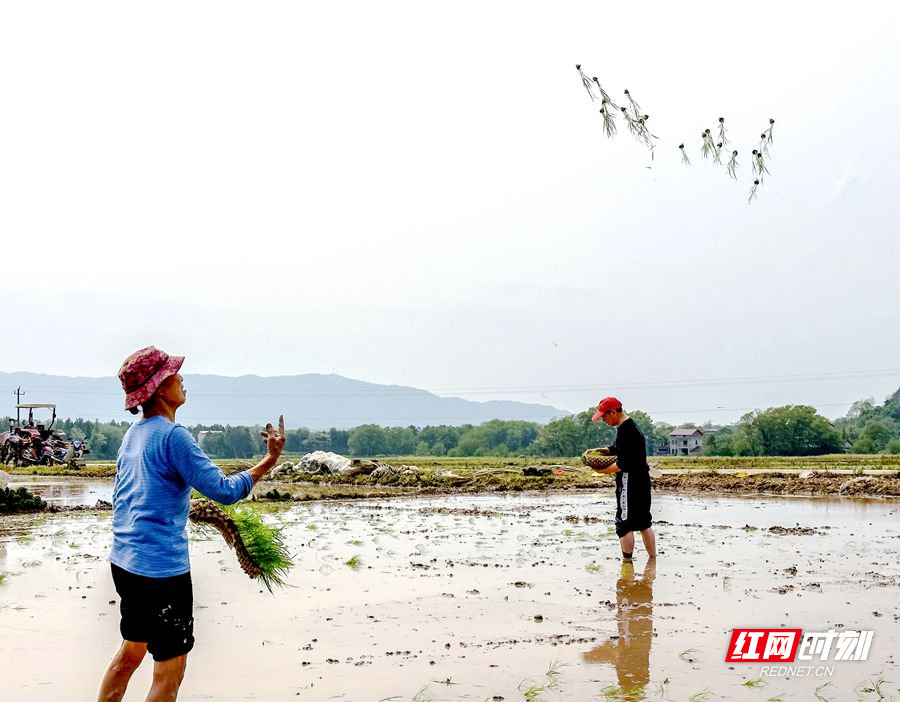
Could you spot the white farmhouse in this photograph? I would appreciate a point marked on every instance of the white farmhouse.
(685, 441)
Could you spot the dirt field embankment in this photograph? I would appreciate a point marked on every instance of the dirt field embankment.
(781, 484)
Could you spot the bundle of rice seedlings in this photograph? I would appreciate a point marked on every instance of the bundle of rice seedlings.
(592, 458)
(260, 548)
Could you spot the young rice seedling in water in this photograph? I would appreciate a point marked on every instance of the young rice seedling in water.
(689, 655)
(820, 695)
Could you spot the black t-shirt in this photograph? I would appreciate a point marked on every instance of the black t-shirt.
(630, 450)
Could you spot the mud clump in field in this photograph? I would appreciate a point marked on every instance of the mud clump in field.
(792, 531)
(460, 512)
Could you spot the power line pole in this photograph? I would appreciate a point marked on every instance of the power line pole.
(18, 393)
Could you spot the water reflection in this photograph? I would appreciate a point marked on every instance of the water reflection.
(68, 493)
(630, 653)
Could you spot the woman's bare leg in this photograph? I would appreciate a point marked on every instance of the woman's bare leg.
(124, 663)
(167, 677)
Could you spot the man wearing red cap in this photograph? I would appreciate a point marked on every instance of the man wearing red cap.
(632, 478)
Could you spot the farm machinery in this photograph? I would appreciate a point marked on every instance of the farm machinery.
(33, 443)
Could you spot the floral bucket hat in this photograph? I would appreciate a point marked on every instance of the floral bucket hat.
(144, 371)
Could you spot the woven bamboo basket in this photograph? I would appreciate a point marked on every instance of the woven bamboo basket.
(592, 458)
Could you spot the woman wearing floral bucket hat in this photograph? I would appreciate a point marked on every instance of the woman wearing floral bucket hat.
(157, 465)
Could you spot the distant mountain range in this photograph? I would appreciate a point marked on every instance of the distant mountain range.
(311, 400)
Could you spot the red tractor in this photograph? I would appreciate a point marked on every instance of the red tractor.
(35, 444)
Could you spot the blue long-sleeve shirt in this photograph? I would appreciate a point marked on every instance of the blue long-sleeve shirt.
(156, 467)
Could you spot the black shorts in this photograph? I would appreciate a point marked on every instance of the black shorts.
(633, 501)
(156, 611)
(633, 523)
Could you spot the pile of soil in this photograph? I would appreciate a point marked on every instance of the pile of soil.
(781, 484)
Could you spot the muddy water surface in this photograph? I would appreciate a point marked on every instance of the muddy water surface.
(477, 598)
(65, 491)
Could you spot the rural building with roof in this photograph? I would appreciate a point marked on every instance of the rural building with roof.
(685, 441)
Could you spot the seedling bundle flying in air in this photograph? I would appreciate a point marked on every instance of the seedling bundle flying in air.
(710, 146)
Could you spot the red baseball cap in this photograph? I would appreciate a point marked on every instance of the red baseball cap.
(144, 371)
(607, 404)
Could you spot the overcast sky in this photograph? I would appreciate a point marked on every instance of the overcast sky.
(421, 194)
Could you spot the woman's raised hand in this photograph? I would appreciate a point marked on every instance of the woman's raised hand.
(274, 437)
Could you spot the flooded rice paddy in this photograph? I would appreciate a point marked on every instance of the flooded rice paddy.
(484, 597)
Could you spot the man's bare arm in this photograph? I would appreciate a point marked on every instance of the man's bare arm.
(609, 470)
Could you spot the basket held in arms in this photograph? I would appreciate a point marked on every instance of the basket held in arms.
(206, 512)
(592, 458)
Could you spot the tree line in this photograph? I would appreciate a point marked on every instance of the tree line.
(792, 430)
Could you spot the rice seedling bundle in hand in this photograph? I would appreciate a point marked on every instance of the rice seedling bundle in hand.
(260, 548)
(592, 458)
